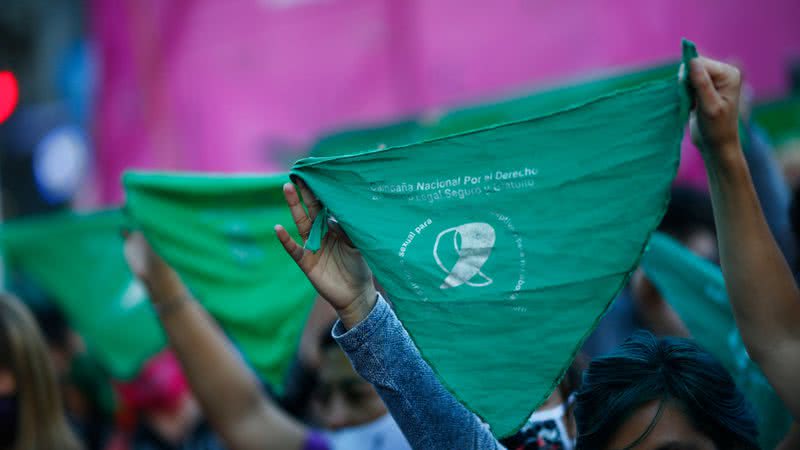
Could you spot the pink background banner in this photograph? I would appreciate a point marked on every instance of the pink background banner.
(247, 85)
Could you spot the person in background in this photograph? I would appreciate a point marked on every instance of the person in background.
(303, 374)
(690, 220)
(31, 412)
(383, 353)
(166, 413)
(90, 400)
(230, 394)
(85, 386)
(552, 425)
(91, 421)
(341, 398)
(680, 393)
(63, 343)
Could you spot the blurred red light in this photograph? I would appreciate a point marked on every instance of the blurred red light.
(9, 94)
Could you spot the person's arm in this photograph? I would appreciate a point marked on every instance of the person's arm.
(382, 352)
(761, 288)
(373, 338)
(228, 392)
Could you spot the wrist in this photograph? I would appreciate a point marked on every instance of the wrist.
(358, 310)
(724, 160)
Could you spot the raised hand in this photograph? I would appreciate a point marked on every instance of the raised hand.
(162, 282)
(337, 270)
(715, 125)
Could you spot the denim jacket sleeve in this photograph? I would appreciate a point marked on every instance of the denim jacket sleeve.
(382, 352)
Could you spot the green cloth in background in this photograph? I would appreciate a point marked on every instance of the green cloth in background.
(78, 260)
(416, 129)
(780, 119)
(695, 288)
(91, 379)
(368, 138)
(501, 247)
(543, 102)
(217, 232)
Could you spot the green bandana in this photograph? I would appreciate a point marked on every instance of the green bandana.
(501, 247)
(78, 260)
(217, 232)
(695, 288)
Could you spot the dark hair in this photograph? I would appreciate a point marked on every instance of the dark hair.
(677, 370)
(50, 318)
(688, 211)
(53, 323)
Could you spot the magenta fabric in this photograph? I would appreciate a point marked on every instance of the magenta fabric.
(692, 171)
(246, 85)
(160, 386)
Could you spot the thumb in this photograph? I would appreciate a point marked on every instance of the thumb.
(694, 131)
(136, 253)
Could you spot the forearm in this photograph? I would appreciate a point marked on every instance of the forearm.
(227, 390)
(760, 284)
(210, 362)
(430, 417)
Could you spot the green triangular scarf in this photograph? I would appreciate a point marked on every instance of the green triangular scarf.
(78, 259)
(501, 247)
(217, 232)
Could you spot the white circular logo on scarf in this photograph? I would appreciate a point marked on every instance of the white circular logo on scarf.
(473, 243)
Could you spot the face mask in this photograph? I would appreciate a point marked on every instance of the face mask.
(381, 434)
(545, 430)
(9, 411)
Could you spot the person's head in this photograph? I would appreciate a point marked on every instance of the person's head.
(30, 402)
(342, 398)
(160, 397)
(552, 425)
(661, 394)
(62, 341)
(160, 386)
